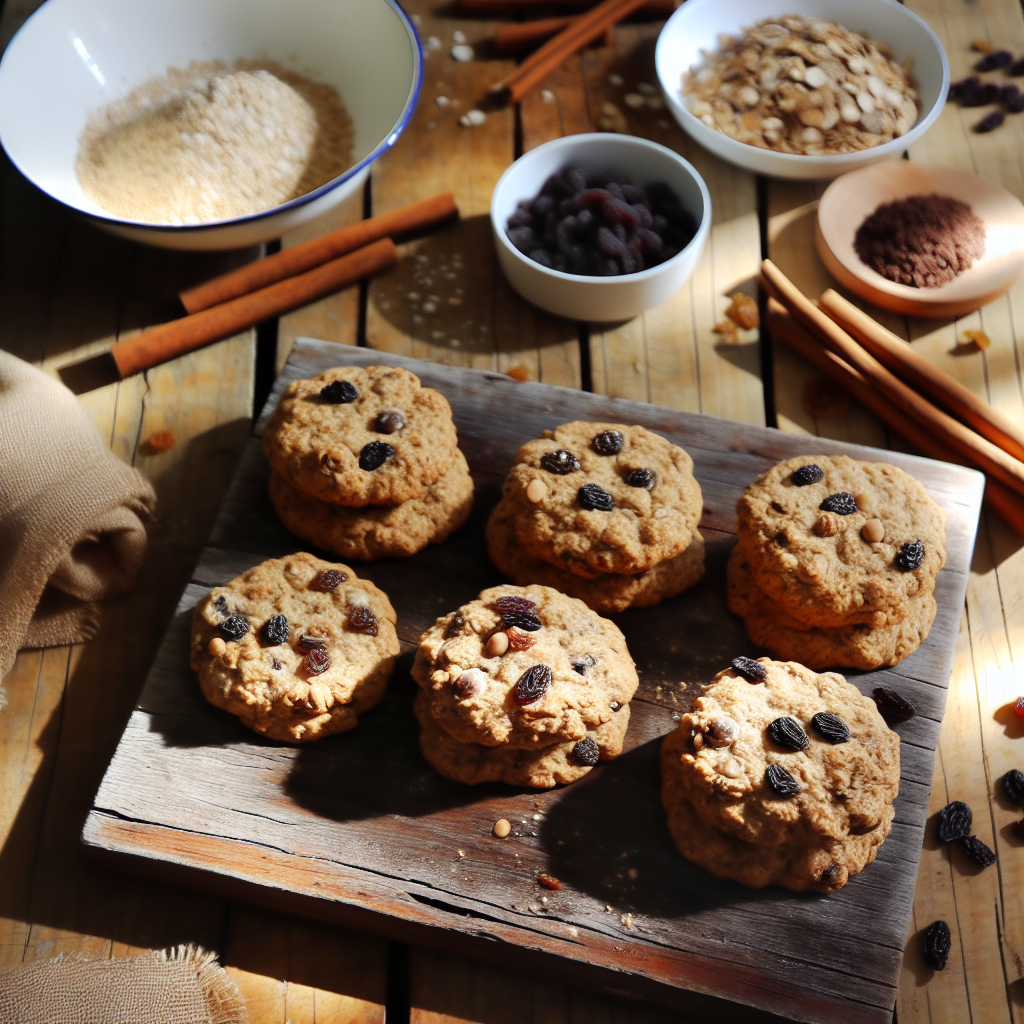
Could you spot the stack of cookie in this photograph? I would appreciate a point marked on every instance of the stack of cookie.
(365, 463)
(523, 685)
(603, 512)
(836, 561)
(296, 647)
(780, 775)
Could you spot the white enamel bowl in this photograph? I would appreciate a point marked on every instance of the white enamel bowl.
(599, 299)
(74, 56)
(697, 24)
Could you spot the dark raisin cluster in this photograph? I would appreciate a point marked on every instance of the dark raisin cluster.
(327, 580)
(842, 503)
(644, 478)
(832, 727)
(752, 671)
(339, 392)
(586, 752)
(389, 422)
(375, 454)
(955, 820)
(514, 603)
(937, 942)
(456, 626)
(274, 631)
(788, 733)
(521, 620)
(973, 92)
(781, 781)
(608, 442)
(316, 661)
(362, 620)
(234, 627)
(600, 225)
(910, 556)
(1013, 786)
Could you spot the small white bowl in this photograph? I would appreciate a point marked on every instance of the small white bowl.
(599, 299)
(697, 24)
(74, 56)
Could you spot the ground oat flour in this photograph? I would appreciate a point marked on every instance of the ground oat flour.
(209, 143)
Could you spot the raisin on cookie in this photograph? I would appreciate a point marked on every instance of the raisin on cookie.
(598, 498)
(833, 541)
(296, 647)
(526, 667)
(361, 436)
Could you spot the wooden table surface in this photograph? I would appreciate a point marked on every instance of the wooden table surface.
(67, 291)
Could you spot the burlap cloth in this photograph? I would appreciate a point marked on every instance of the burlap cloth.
(181, 986)
(72, 515)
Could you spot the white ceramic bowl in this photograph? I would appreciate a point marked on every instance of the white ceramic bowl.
(599, 299)
(697, 24)
(74, 56)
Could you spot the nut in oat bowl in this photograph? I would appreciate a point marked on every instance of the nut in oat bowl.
(804, 86)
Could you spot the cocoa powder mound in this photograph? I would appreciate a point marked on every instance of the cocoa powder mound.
(921, 241)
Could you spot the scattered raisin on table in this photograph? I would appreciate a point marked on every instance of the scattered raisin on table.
(832, 727)
(531, 685)
(993, 60)
(362, 620)
(842, 503)
(990, 122)
(561, 462)
(595, 498)
(752, 671)
(514, 603)
(375, 454)
(455, 626)
(787, 732)
(809, 474)
(274, 631)
(586, 752)
(549, 881)
(1013, 786)
(955, 821)
(937, 942)
(390, 421)
(978, 851)
(910, 556)
(608, 442)
(891, 703)
(339, 392)
(316, 661)
(522, 620)
(781, 781)
(327, 580)
(234, 627)
(644, 478)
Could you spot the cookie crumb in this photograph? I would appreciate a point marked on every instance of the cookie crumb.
(978, 339)
(729, 332)
(743, 311)
(502, 828)
(519, 373)
(463, 53)
(549, 881)
(461, 853)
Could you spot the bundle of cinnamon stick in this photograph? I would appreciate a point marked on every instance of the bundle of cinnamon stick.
(929, 408)
(280, 283)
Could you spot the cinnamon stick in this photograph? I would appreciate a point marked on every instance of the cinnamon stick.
(1004, 502)
(948, 430)
(899, 357)
(492, 8)
(317, 251)
(522, 37)
(158, 344)
(583, 30)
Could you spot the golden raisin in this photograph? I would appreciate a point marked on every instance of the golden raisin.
(743, 311)
(978, 339)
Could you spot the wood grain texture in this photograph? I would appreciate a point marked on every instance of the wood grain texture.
(979, 740)
(294, 826)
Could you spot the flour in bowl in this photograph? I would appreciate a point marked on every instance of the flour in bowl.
(209, 143)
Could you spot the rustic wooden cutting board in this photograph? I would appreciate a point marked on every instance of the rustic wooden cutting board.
(358, 829)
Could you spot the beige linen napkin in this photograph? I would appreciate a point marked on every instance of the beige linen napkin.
(72, 515)
(181, 986)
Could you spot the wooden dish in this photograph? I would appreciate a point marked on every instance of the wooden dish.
(357, 829)
(849, 200)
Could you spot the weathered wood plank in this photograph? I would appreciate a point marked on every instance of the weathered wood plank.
(296, 803)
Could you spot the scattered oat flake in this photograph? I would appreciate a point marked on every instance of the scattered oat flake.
(549, 881)
(519, 373)
(443, 101)
(461, 853)
(615, 80)
(161, 441)
(472, 119)
(458, 37)
(432, 43)
(463, 53)
(634, 100)
(547, 96)
(743, 311)
(627, 920)
(824, 398)
(978, 339)
(646, 88)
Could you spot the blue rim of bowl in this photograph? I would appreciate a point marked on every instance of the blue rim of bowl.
(894, 146)
(389, 140)
(699, 237)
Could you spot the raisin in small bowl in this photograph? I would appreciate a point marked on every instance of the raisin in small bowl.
(586, 296)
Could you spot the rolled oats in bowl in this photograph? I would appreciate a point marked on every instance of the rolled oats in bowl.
(804, 86)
